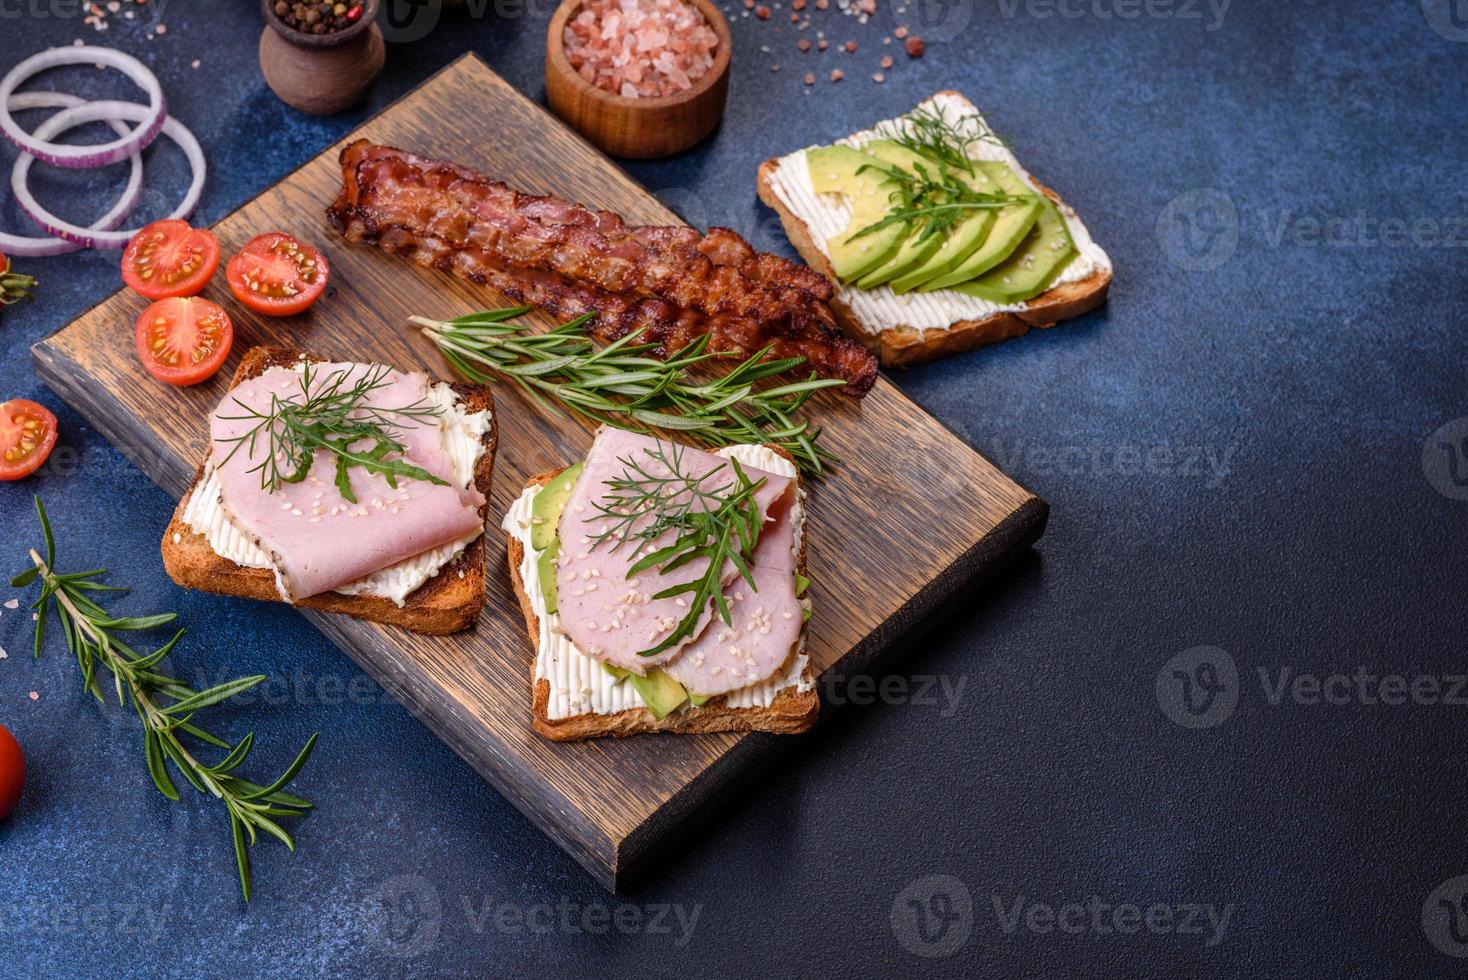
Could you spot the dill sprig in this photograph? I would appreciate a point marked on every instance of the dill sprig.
(647, 503)
(931, 201)
(625, 385)
(928, 131)
(329, 414)
(166, 706)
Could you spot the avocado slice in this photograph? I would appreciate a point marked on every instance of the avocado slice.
(545, 564)
(545, 509)
(1009, 229)
(1034, 265)
(962, 240)
(912, 253)
(658, 691)
(698, 700)
(838, 170)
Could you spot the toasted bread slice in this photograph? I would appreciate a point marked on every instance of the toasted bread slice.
(792, 711)
(448, 602)
(901, 345)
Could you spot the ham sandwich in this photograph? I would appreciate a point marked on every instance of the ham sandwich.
(612, 615)
(315, 539)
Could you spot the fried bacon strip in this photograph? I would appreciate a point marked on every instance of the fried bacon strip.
(671, 281)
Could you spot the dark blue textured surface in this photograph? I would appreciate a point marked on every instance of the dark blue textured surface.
(1306, 378)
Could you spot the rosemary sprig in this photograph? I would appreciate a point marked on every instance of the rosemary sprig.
(165, 705)
(721, 524)
(330, 414)
(625, 385)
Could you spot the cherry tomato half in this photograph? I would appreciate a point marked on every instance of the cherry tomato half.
(184, 339)
(277, 274)
(168, 258)
(27, 436)
(12, 772)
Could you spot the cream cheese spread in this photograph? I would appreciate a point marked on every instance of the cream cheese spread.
(578, 683)
(878, 309)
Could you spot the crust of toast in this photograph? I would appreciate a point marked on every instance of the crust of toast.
(790, 713)
(448, 602)
(900, 345)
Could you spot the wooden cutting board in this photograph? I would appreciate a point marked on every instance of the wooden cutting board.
(910, 515)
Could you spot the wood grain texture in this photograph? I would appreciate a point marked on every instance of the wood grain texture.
(641, 129)
(909, 516)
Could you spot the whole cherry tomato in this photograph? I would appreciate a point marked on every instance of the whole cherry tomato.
(12, 772)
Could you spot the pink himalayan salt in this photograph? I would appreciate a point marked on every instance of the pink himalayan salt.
(640, 48)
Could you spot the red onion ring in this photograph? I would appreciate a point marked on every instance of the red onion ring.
(81, 157)
(92, 112)
(31, 248)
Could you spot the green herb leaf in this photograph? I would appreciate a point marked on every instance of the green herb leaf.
(214, 695)
(289, 774)
(241, 853)
(155, 765)
(46, 531)
(237, 756)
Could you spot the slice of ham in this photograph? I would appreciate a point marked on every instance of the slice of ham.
(765, 621)
(316, 539)
(607, 614)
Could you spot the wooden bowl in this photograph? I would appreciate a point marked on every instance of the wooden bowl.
(322, 74)
(637, 128)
